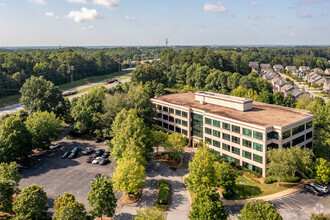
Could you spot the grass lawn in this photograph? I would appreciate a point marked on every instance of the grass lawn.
(9, 100)
(245, 190)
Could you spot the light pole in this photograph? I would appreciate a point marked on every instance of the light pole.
(71, 68)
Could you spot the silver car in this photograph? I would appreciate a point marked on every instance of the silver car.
(320, 188)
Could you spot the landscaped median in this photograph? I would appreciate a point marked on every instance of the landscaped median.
(163, 195)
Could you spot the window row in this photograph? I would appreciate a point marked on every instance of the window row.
(171, 127)
(171, 110)
(171, 119)
(245, 154)
(245, 164)
(296, 130)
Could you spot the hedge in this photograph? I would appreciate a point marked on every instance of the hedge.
(272, 179)
(164, 192)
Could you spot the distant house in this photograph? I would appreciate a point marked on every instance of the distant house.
(295, 92)
(278, 68)
(315, 78)
(326, 86)
(291, 69)
(304, 69)
(317, 70)
(327, 71)
(254, 66)
(265, 66)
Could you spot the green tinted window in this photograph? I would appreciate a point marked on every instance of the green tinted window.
(216, 133)
(208, 121)
(298, 129)
(225, 147)
(257, 158)
(246, 154)
(247, 143)
(257, 135)
(235, 150)
(216, 123)
(257, 146)
(226, 136)
(235, 140)
(171, 110)
(208, 131)
(184, 123)
(309, 125)
(208, 140)
(216, 143)
(159, 107)
(247, 132)
(184, 114)
(225, 126)
(178, 112)
(236, 129)
(286, 134)
(178, 121)
(165, 109)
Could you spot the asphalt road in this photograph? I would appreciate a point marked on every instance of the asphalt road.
(65, 175)
(296, 206)
(17, 107)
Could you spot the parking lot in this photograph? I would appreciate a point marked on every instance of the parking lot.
(295, 206)
(65, 175)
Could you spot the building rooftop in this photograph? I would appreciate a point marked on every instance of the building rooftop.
(261, 114)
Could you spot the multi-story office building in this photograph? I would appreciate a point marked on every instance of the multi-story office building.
(237, 128)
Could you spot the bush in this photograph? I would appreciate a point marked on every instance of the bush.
(269, 180)
(239, 167)
(251, 177)
(232, 163)
(228, 195)
(163, 193)
(255, 174)
(223, 160)
(291, 179)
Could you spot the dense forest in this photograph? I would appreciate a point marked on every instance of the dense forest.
(18, 65)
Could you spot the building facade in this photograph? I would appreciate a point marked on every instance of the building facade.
(237, 128)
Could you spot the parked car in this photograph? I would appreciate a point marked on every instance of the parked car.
(321, 188)
(90, 159)
(311, 189)
(76, 149)
(55, 146)
(99, 152)
(105, 154)
(88, 150)
(97, 160)
(65, 155)
(104, 161)
(73, 155)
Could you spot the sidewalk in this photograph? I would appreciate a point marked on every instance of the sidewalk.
(270, 197)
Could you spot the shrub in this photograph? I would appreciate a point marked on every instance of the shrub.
(232, 163)
(164, 192)
(223, 160)
(228, 195)
(239, 167)
(269, 180)
(255, 174)
(291, 179)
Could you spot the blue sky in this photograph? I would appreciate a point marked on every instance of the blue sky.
(150, 22)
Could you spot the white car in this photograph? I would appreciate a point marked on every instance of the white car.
(321, 188)
(97, 160)
(53, 147)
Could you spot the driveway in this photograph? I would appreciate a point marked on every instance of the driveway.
(179, 203)
(296, 206)
(65, 175)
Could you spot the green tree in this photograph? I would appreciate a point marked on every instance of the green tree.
(10, 172)
(101, 198)
(15, 139)
(239, 92)
(31, 204)
(149, 214)
(319, 216)
(175, 145)
(259, 211)
(226, 176)
(279, 164)
(129, 176)
(290, 101)
(158, 138)
(322, 171)
(208, 206)
(278, 98)
(44, 127)
(202, 172)
(38, 94)
(66, 207)
(128, 128)
(86, 110)
(301, 159)
(6, 196)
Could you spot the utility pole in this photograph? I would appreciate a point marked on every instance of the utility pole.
(72, 69)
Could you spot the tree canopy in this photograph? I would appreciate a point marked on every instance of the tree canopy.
(66, 207)
(258, 211)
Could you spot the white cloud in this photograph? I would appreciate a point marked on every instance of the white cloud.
(77, 1)
(184, 10)
(216, 7)
(269, 15)
(87, 28)
(130, 18)
(38, 2)
(254, 16)
(84, 14)
(2, 4)
(292, 35)
(51, 14)
(111, 4)
(305, 15)
(254, 3)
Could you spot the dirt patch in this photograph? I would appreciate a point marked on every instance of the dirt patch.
(130, 198)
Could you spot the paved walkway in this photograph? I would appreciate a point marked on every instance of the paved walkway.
(179, 203)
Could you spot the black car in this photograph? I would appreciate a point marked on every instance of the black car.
(104, 161)
(65, 155)
(75, 150)
(90, 159)
(73, 155)
(98, 153)
(88, 150)
(311, 189)
(105, 154)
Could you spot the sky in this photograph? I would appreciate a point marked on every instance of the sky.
(150, 22)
